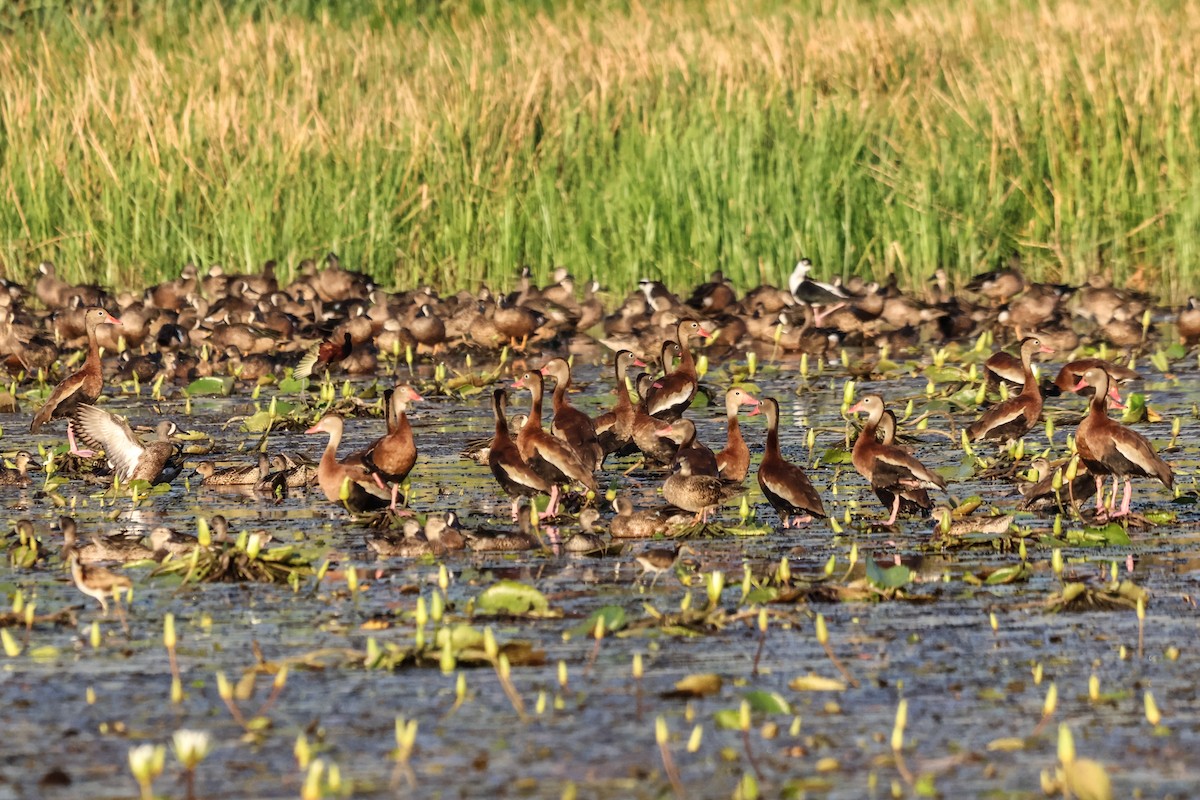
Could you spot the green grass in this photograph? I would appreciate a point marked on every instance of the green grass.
(452, 142)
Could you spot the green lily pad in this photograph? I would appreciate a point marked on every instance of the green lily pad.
(890, 578)
(614, 620)
(210, 386)
(512, 597)
(768, 702)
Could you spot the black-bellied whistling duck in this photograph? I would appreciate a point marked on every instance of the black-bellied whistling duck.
(1072, 373)
(1188, 323)
(1108, 448)
(733, 462)
(699, 494)
(1016, 416)
(785, 485)
(912, 501)
(682, 432)
(129, 457)
(364, 491)
(393, 455)
(674, 392)
(323, 354)
(614, 429)
(887, 467)
(551, 457)
(82, 387)
(515, 476)
(569, 423)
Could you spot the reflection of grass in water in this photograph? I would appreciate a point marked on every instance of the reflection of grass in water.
(893, 136)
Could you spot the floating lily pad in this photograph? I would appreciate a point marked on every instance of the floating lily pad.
(210, 386)
(512, 597)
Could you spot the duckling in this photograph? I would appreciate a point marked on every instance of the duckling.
(630, 524)
(17, 476)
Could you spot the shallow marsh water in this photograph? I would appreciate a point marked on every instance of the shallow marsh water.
(966, 685)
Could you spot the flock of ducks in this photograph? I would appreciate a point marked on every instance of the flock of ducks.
(248, 325)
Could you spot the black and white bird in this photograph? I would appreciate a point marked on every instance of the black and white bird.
(815, 293)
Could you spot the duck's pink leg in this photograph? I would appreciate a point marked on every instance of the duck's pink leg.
(552, 506)
(1128, 496)
(75, 451)
(895, 511)
(1099, 494)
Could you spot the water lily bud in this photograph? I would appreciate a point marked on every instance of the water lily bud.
(1051, 701)
(1094, 687)
(694, 740)
(1153, 715)
(822, 630)
(637, 666)
(1056, 561)
(1066, 745)
(898, 727)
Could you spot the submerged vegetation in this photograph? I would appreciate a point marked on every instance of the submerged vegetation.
(451, 142)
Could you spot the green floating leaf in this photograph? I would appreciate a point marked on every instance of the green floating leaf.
(512, 597)
(614, 620)
(728, 719)
(1176, 351)
(1160, 517)
(210, 386)
(836, 455)
(460, 636)
(768, 702)
(257, 422)
(890, 578)
(292, 385)
(1012, 574)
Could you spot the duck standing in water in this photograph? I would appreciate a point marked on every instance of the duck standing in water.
(785, 485)
(892, 472)
(393, 455)
(1016, 416)
(1107, 447)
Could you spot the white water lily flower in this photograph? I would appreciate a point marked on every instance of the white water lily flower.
(191, 747)
(146, 761)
